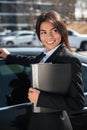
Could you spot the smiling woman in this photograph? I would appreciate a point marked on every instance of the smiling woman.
(50, 36)
(20, 112)
(53, 34)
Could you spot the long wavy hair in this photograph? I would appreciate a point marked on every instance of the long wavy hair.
(53, 17)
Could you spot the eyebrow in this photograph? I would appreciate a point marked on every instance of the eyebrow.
(45, 30)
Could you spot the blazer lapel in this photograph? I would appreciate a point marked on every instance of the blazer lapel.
(39, 57)
(59, 51)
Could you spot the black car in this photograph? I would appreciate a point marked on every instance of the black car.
(15, 108)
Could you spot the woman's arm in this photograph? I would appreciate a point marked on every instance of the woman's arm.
(16, 59)
(19, 59)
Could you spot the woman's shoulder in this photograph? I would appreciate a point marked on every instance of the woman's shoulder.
(72, 56)
(66, 56)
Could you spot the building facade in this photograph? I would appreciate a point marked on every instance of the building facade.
(22, 14)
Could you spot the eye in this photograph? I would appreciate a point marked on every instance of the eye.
(42, 32)
(55, 30)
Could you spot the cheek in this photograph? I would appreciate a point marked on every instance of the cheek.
(58, 37)
(42, 39)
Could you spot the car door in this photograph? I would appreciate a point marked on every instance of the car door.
(24, 38)
(15, 107)
(73, 39)
(84, 76)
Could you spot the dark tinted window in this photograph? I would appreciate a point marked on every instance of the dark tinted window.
(25, 34)
(14, 84)
(84, 76)
(70, 33)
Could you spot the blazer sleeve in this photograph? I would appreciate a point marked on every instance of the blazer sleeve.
(23, 60)
(74, 100)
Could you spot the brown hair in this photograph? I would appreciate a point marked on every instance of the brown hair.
(58, 23)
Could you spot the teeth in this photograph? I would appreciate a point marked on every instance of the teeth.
(50, 42)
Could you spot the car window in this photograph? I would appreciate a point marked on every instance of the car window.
(70, 33)
(26, 34)
(84, 76)
(14, 83)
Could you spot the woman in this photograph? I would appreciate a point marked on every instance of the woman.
(53, 34)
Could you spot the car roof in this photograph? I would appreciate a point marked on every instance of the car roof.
(26, 50)
(22, 31)
(25, 31)
(72, 30)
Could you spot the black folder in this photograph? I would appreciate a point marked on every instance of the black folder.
(53, 78)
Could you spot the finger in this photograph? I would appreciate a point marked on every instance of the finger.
(31, 90)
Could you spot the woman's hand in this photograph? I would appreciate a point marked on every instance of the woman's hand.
(4, 52)
(33, 95)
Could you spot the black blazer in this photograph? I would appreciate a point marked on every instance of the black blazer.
(75, 97)
(72, 102)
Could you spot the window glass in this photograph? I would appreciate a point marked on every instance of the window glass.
(84, 76)
(70, 33)
(14, 83)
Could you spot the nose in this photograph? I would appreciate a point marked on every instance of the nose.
(49, 34)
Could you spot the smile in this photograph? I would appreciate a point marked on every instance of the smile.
(50, 42)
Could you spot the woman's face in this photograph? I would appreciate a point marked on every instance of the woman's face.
(49, 35)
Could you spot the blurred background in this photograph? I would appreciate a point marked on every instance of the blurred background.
(22, 14)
